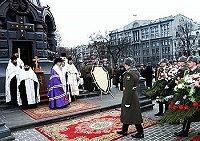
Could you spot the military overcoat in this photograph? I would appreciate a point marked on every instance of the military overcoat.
(132, 114)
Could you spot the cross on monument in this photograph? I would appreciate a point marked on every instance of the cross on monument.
(20, 25)
(37, 69)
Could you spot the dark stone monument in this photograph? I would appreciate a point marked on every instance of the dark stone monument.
(145, 103)
(27, 28)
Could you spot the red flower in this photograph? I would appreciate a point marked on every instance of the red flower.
(170, 106)
(172, 102)
(186, 107)
(181, 107)
(195, 104)
(174, 107)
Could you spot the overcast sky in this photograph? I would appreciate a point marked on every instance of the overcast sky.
(77, 19)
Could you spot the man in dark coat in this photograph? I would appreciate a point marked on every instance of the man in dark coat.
(148, 75)
(130, 107)
(121, 76)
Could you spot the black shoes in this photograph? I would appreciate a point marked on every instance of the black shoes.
(137, 135)
(122, 133)
(159, 114)
(181, 134)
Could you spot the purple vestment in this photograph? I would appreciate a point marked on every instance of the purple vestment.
(57, 96)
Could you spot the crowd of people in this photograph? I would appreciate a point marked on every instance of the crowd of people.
(175, 88)
(22, 85)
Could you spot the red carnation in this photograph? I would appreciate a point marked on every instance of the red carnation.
(170, 106)
(172, 102)
(195, 104)
(181, 107)
(186, 107)
(174, 107)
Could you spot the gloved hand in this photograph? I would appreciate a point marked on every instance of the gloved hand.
(127, 106)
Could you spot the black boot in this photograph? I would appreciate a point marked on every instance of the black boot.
(140, 132)
(124, 130)
(160, 113)
(185, 130)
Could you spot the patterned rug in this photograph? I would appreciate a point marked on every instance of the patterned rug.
(97, 127)
(193, 136)
(45, 112)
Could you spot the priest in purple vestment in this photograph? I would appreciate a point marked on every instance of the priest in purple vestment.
(57, 94)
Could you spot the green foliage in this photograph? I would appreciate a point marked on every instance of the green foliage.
(158, 89)
(182, 106)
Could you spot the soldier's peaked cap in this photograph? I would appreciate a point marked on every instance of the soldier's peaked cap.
(182, 59)
(164, 60)
(193, 59)
(129, 61)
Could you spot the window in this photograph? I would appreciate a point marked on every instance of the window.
(153, 51)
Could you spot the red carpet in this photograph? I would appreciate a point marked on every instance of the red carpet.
(193, 136)
(45, 112)
(97, 127)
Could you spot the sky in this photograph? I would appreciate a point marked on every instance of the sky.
(76, 20)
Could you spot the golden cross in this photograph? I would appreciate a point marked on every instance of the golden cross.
(36, 62)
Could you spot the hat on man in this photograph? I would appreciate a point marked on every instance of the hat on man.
(13, 58)
(164, 60)
(69, 58)
(58, 60)
(129, 61)
(27, 63)
(182, 59)
(193, 59)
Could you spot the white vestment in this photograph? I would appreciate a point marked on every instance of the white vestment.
(73, 77)
(30, 77)
(11, 71)
(20, 63)
(59, 71)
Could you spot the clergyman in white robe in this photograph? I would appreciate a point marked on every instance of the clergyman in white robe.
(28, 85)
(12, 74)
(72, 78)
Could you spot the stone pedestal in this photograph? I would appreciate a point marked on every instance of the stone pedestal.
(43, 87)
(5, 133)
(145, 103)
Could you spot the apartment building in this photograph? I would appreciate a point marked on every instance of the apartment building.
(148, 41)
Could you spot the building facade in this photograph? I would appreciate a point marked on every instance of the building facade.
(148, 41)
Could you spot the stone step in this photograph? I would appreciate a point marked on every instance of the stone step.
(5, 133)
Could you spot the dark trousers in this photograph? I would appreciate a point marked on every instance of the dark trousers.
(137, 126)
(186, 126)
(160, 108)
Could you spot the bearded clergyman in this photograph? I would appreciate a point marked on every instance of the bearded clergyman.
(28, 85)
(12, 75)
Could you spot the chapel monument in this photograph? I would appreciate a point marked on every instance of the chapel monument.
(28, 28)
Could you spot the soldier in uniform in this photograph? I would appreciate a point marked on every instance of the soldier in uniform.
(88, 80)
(130, 107)
(193, 69)
(109, 69)
(161, 73)
(115, 75)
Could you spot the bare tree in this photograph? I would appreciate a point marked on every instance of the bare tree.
(185, 40)
(102, 42)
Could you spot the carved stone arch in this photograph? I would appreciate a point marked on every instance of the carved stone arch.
(36, 16)
(48, 17)
(135, 25)
(4, 8)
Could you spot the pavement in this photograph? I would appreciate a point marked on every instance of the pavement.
(23, 127)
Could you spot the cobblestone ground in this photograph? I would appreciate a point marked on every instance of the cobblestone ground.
(154, 133)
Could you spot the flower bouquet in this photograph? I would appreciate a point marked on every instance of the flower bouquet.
(159, 90)
(185, 102)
